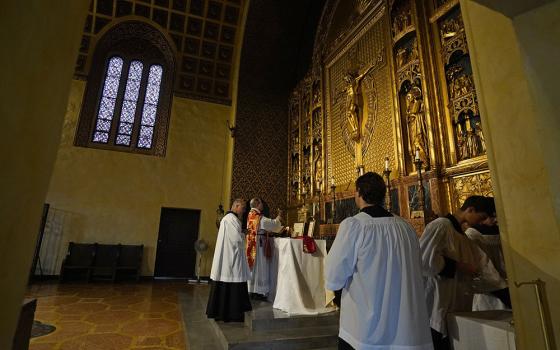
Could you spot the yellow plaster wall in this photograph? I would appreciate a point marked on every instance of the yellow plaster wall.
(40, 41)
(116, 197)
(516, 76)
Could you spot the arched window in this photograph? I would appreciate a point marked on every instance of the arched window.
(127, 100)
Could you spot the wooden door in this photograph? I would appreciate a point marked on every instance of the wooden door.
(178, 230)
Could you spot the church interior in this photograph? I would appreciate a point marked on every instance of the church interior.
(134, 124)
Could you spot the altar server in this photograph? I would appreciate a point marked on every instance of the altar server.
(259, 247)
(487, 237)
(229, 297)
(375, 260)
(449, 262)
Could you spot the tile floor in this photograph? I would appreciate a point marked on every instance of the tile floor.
(110, 316)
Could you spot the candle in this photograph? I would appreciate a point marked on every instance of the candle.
(386, 163)
(332, 181)
(361, 170)
(417, 154)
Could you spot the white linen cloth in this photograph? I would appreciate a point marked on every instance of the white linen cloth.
(376, 263)
(230, 261)
(297, 283)
(260, 276)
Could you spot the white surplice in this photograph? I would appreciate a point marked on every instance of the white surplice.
(260, 276)
(376, 263)
(495, 279)
(443, 295)
(230, 260)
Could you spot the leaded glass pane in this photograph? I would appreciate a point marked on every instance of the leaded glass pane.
(149, 110)
(123, 140)
(149, 115)
(155, 75)
(103, 125)
(106, 108)
(100, 136)
(135, 71)
(115, 67)
(152, 94)
(111, 87)
(125, 128)
(107, 103)
(128, 110)
(131, 92)
(145, 138)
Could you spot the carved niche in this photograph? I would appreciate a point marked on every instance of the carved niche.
(411, 102)
(463, 105)
(401, 19)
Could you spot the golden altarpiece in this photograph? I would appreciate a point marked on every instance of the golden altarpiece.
(390, 88)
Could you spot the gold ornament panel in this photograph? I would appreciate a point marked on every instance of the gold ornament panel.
(382, 144)
(469, 185)
(361, 53)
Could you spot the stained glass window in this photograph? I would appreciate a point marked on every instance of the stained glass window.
(108, 100)
(113, 100)
(126, 105)
(128, 110)
(150, 107)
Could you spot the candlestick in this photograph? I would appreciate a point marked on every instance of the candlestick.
(333, 203)
(387, 174)
(421, 197)
(360, 170)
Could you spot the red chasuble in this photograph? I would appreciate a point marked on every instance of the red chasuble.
(253, 223)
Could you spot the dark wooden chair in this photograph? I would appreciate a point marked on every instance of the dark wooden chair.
(79, 259)
(105, 262)
(130, 260)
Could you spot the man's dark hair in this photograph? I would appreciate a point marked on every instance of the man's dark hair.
(371, 188)
(480, 204)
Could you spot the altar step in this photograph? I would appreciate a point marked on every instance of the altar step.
(237, 337)
(264, 317)
(266, 328)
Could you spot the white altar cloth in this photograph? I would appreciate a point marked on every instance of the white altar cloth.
(481, 330)
(297, 284)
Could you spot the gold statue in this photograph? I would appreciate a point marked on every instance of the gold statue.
(478, 131)
(318, 164)
(353, 95)
(417, 134)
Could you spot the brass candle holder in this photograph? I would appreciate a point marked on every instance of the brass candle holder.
(387, 175)
(421, 196)
(333, 203)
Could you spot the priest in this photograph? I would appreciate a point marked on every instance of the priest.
(259, 247)
(375, 260)
(229, 297)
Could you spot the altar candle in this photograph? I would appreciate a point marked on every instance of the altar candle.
(417, 154)
(332, 181)
(386, 163)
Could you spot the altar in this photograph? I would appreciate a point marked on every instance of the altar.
(297, 284)
(484, 330)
